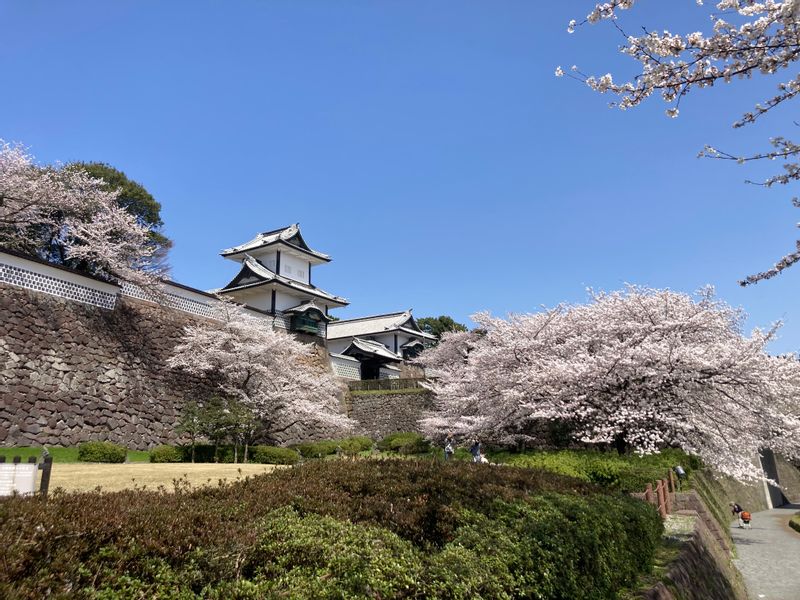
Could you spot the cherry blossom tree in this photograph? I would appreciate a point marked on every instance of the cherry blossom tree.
(746, 38)
(47, 207)
(642, 369)
(282, 380)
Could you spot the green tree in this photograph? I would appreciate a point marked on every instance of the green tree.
(192, 423)
(439, 325)
(135, 199)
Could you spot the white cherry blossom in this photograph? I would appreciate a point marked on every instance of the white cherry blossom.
(746, 38)
(640, 368)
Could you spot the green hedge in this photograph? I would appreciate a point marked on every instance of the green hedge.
(273, 455)
(165, 454)
(628, 473)
(404, 442)
(335, 529)
(317, 449)
(102, 452)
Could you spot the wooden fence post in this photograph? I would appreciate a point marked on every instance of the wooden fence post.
(672, 481)
(667, 498)
(662, 503)
(46, 467)
(648, 493)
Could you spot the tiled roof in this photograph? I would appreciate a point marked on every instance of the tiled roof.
(370, 347)
(374, 325)
(305, 307)
(367, 325)
(411, 343)
(284, 235)
(264, 275)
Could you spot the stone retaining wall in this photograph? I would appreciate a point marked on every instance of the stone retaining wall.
(702, 571)
(71, 372)
(382, 413)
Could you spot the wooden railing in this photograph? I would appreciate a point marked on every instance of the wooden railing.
(385, 384)
(662, 495)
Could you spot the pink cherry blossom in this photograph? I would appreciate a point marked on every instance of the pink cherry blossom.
(653, 368)
(42, 206)
(286, 383)
(745, 38)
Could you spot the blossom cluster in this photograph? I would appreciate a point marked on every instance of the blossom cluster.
(746, 38)
(282, 380)
(43, 208)
(648, 368)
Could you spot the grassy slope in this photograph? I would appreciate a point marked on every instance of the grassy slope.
(84, 477)
(64, 455)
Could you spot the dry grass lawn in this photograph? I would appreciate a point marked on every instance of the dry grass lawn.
(114, 477)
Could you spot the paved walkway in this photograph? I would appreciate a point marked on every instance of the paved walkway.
(769, 555)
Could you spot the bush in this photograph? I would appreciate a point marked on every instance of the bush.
(209, 453)
(357, 444)
(626, 473)
(165, 454)
(272, 455)
(404, 443)
(365, 529)
(102, 452)
(317, 449)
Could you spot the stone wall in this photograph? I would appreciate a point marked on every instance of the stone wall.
(702, 571)
(383, 412)
(71, 372)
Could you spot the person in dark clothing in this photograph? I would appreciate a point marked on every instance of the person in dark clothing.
(475, 450)
(736, 511)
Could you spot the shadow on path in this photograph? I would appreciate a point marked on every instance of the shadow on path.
(769, 555)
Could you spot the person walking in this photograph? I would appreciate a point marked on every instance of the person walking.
(449, 447)
(475, 450)
(736, 511)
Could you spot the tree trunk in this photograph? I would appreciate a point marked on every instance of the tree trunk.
(620, 443)
(192, 450)
(235, 453)
(246, 446)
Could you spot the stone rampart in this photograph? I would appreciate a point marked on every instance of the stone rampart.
(702, 571)
(72, 372)
(380, 413)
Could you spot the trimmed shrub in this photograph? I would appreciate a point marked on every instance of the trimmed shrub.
(359, 442)
(165, 454)
(102, 452)
(404, 443)
(627, 473)
(273, 455)
(317, 449)
(334, 529)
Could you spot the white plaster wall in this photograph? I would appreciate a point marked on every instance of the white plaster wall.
(294, 268)
(268, 259)
(284, 300)
(386, 339)
(261, 299)
(60, 274)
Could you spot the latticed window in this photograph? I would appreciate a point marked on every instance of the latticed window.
(305, 324)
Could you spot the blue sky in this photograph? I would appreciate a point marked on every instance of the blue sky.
(426, 146)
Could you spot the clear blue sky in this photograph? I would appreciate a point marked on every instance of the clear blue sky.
(426, 146)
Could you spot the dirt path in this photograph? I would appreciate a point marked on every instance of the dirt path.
(85, 477)
(769, 555)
